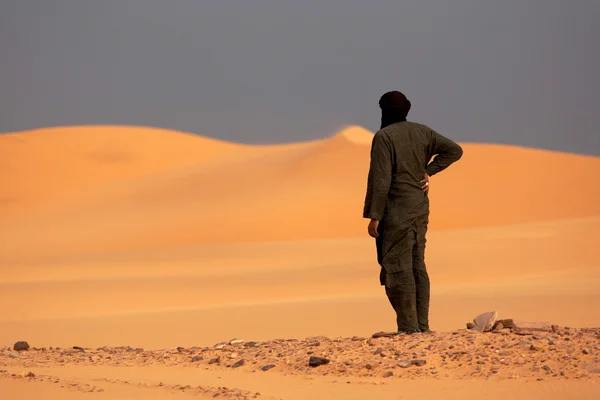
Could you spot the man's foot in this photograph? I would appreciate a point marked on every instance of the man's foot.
(427, 331)
(408, 331)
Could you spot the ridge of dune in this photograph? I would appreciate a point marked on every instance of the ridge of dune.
(354, 134)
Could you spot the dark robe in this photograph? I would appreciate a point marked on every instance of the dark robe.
(400, 158)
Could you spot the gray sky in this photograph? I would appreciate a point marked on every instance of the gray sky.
(514, 71)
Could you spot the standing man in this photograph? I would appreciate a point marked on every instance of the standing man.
(397, 205)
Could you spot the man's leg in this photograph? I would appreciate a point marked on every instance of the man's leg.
(400, 282)
(401, 295)
(422, 284)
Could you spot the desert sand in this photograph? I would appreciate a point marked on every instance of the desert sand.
(154, 239)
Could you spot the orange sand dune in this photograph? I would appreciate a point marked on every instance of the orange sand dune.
(195, 190)
(47, 164)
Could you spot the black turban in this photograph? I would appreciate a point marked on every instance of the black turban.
(394, 108)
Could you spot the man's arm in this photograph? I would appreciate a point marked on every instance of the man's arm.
(380, 177)
(446, 152)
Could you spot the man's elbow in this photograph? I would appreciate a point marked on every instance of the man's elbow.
(458, 153)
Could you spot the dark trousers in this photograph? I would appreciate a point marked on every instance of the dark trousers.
(408, 287)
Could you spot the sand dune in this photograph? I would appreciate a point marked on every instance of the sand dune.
(139, 189)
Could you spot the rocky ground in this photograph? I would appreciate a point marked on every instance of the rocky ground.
(566, 353)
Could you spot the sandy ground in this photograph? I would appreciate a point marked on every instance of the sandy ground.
(119, 236)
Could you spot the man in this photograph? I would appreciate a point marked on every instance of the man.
(397, 205)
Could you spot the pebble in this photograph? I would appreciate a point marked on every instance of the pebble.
(315, 361)
(239, 363)
(268, 367)
(197, 358)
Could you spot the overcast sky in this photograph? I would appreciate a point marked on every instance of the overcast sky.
(522, 72)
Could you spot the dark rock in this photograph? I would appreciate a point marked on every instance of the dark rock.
(268, 367)
(315, 361)
(21, 346)
(384, 334)
(81, 349)
(197, 358)
(388, 374)
(250, 344)
(585, 351)
(419, 363)
(214, 360)
(470, 325)
(239, 363)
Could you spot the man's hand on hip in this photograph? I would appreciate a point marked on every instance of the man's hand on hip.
(425, 183)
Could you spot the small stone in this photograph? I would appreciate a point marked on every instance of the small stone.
(268, 367)
(30, 375)
(81, 349)
(434, 371)
(236, 341)
(498, 326)
(419, 363)
(197, 358)
(595, 371)
(14, 355)
(21, 346)
(470, 325)
(315, 361)
(404, 363)
(388, 374)
(585, 351)
(214, 360)
(239, 363)
(233, 355)
(533, 347)
(250, 344)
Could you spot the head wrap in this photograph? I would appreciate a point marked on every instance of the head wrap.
(394, 108)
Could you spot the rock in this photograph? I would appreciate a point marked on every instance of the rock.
(419, 363)
(197, 358)
(214, 360)
(384, 334)
(585, 351)
(532, 326)
(14, 355)
(485, 322)
(506, 323)
(404, 363)
(250, 344)
(315, 361)
(498, 326)
(236, 341)
(388, 374)
(239, 363)
(30, 375)
(21, 346)
(268, 367)
(595, 371)
(81, 349)
(470, 325)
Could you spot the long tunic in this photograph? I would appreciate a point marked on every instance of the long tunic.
(401, 155)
